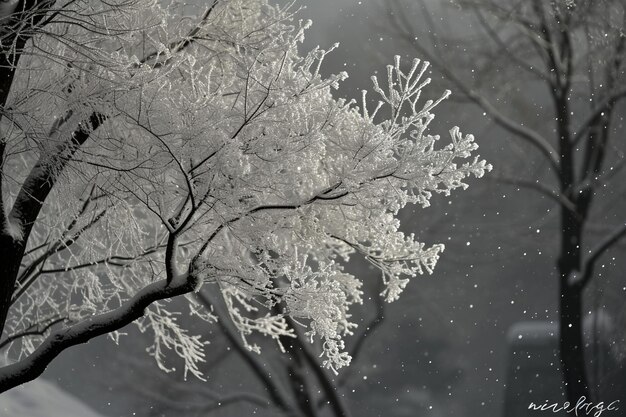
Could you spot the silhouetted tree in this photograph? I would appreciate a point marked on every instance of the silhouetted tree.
(575, 51)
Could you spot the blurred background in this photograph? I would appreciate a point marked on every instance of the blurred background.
(480, 336)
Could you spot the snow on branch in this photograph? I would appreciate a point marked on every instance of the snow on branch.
(32, 366)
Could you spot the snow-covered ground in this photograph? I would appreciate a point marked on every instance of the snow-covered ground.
(41, 398)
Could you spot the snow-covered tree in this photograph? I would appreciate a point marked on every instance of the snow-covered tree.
(148, 150)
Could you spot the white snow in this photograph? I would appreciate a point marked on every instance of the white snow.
(13, 227)
(41, 398)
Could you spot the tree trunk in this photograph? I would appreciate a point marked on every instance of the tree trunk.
(11, 252)
(10, 255)
(571, 343)
(571, 340)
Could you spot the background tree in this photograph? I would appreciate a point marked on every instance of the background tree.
(288, 383)
(575, 51)
(146, 152)
(291, 383)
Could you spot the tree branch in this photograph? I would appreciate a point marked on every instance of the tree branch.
(113, 260)
(589, 184)
(276, 393)
(330, 391)
(608, 101)
(504, 46)
(15, 30)
(34, 365)
(28, 203)
(374, 323)
(213, 403)
(541, 188)
(36, 332)
(56, 247)
(177, 46)
(322, 196)
(583, 279)
(44, 174)
(3, 216)
(523, 132)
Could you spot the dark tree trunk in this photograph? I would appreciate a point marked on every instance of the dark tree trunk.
(571, 338)
(571, 343)
(28, 204)
(9, 267)
(10, 255)
(28, 14)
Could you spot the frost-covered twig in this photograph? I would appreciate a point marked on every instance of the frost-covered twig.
(31, 367)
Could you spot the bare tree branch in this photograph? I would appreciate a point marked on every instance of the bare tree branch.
(523, 132)
(541, 188)
(275, 392)
(374, 323)
(330, 390)
(42, 177)
(600, 108)
(504, 47)
(590, 183)
(214, 402)
(581, 280)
